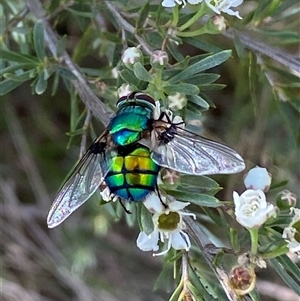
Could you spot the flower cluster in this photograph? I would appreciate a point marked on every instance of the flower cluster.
(168, 225)
(291, 234)
(218, 6)
(251, 208)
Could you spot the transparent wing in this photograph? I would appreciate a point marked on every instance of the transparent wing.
(192, 154)
(83, 182)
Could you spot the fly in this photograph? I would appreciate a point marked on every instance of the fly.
(127, 159)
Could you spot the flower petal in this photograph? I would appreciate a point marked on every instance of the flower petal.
(148, 242)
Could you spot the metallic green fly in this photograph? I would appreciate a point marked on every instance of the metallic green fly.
(128, 155)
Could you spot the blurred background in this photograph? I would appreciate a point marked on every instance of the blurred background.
(91, 256)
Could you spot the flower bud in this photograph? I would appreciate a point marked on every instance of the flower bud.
(177, 101)
(170, 176)
(219, 22)
(286, 199)
(132, 55)
(125, 89)
(258, 178)
(159, 59)
(242, 280)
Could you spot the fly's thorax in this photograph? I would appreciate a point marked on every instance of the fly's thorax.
(133, 174)
(130, 124)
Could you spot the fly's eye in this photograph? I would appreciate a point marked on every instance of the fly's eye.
(138, 98)
(145, 99)
(121, 101)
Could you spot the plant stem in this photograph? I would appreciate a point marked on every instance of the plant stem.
(196, 17)
(254, 240)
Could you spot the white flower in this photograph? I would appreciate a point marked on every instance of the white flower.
(258, 178)
(177, 101)
(251, 208)
(291, 234)
(219, 6)
(172, 3)
(168, 225)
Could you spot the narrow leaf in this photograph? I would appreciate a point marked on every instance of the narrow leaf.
(195, 198)
(207, 63)
(285, 276)
(17, 57)
(199, 101)
(41, 85)
(183, 88)
(128, 77)
(143, 14)
(141, 73)
(8, 85)
(39, 41)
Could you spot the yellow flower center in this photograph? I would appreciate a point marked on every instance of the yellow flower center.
(297, 234)
(169, 221)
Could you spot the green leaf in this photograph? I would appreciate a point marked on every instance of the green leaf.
(204, 78)
(17, 57)
(207, 63)
(182, 88)
(199, 101)
(173, 49)
(195, 198)
(112, 37)
(284, 7)
(211, 87)
(142, 16)
(39, 40)
(65, 72)
(22, 76)
(141, 73)
(146, 222)
(128, 77)
(79, 13)
(61, 45)
(234, 240)
(199, 181)
(281, 271)
(8, 85)
(41, 84)
(254, 295)
(289, 265)
(202, 45)
(15, 67)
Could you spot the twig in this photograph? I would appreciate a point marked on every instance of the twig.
(128, 27)
(84, 135)
(278, 55)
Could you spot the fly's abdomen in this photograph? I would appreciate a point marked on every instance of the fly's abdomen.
(133, 176)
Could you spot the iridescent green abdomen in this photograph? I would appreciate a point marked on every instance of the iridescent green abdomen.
(133, 174)
(129, 124)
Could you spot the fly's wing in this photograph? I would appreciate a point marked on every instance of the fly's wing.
(83, 182)
(192, 154)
